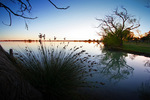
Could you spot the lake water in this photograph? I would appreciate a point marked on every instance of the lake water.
(117, 75)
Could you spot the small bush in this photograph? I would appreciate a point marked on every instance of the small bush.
(111, 41)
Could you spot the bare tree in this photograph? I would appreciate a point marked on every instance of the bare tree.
(119, 20)
(24, 7)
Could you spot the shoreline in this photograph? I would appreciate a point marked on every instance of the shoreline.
(123, 49)
(129, 51)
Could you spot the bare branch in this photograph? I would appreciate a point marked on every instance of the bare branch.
(25, 6)
(10, 22)
(12, 12)
(58, 7)
(131, 28)
(110, 20)
(105, 23)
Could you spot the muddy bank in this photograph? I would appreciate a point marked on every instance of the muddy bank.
(12, 85)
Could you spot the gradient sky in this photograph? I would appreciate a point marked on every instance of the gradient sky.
(77, 22)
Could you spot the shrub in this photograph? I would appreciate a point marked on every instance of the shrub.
(111, 40)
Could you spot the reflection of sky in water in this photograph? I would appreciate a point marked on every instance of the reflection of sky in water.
(126, 86)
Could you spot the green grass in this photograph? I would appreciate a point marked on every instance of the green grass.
(140, 48)
(56, 72)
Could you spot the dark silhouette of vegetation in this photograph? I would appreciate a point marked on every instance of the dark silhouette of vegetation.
(40, 36)
(56, 71)
(57, 74)
(146, 37)
(114, 66)
(23, 7)
(12, 85)
(143, 38)
(117, 26)
(144, 91)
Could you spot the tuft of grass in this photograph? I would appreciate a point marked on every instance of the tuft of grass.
(55, 71)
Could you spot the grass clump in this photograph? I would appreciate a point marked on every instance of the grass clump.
(56, 72)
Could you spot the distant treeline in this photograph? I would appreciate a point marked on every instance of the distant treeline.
(29, 41)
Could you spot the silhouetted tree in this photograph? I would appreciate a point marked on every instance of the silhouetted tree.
(118, 25)
(23, 7)
(146, 37)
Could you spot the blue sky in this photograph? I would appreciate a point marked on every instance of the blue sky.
(77, 22)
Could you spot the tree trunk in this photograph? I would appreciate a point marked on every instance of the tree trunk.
(121, 38)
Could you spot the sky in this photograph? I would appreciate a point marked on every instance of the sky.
(78, 22)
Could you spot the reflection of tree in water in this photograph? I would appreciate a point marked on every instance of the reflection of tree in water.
(132, 56)
(114, 66)
(144, 89)
(147, 63)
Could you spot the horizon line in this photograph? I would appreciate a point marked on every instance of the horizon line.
(29, 40)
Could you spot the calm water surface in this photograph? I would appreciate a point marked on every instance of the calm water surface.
(117, 75)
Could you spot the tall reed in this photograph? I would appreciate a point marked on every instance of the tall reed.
(56, 71)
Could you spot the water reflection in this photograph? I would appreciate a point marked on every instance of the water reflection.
(114, 65)
(144, 91)
(132, 56)
(147, 63)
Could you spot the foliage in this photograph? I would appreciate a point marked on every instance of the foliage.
(111, 40)
(114, 40)
(56, 72)
(146, 37)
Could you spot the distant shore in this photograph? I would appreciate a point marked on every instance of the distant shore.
(42, 40)
(49, 41)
